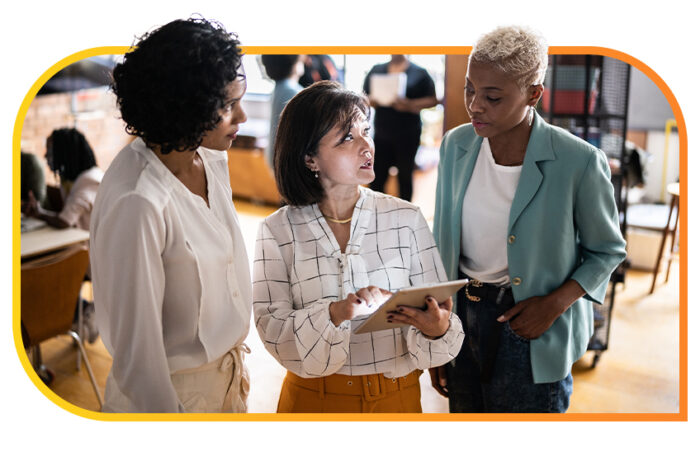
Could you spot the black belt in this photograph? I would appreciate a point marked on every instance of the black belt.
(477, 290)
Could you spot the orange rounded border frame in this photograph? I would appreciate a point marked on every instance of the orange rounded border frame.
(681, 415)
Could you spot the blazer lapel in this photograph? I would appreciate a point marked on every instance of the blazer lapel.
(463, 170)
(539, 148)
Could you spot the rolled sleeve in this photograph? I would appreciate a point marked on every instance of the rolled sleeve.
(601, 243)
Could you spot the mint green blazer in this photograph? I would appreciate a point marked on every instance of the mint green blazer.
(563, 224)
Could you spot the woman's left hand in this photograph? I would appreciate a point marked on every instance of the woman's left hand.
(532, 317)
(432, 322)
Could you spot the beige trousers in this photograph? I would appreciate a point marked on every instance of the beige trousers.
(220, 386)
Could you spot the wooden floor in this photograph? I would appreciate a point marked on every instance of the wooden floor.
(639, 373)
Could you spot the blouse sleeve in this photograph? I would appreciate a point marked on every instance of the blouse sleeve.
(426, 267)
(129, 285)
(305, 341)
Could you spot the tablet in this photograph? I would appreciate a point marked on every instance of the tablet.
(413, 297)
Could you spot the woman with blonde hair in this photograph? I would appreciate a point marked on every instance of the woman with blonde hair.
(526, 211)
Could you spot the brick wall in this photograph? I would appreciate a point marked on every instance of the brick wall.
(93, 112)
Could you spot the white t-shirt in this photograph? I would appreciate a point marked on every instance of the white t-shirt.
(170, 274)
(81, 198)
(485, 215)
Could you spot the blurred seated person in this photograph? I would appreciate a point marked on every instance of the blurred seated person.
(32, 178)
(284, 70)
(318, 68)
(70, 156)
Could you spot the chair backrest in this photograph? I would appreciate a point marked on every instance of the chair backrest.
(50, 290)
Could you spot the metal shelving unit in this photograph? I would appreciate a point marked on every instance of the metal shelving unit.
(588, 95)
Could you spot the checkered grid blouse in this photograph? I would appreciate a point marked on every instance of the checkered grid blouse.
(299, 270)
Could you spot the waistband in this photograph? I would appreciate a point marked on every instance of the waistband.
(371, 387)
(233, 357)
(477, 290)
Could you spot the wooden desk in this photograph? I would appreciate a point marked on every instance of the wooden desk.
(49, 239)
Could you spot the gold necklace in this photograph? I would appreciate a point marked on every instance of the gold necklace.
(336, 220)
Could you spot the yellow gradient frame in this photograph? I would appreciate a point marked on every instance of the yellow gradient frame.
(681, 415)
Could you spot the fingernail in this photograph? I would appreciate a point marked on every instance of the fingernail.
(501, 319)
(358, 301)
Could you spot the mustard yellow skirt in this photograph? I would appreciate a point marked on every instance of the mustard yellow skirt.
(350, 394)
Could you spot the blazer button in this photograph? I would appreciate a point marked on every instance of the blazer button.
(517, 281)
(511, 239)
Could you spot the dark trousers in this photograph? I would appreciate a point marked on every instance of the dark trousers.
(492, 371)
(400, 152)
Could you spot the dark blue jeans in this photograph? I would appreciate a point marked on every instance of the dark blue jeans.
(492, 372)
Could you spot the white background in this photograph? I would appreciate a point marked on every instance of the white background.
(37, 35)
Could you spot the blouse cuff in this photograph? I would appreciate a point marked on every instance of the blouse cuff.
(323, 348)
(431, 353)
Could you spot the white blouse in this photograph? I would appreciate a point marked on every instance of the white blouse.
(170, 274)
(299, 270)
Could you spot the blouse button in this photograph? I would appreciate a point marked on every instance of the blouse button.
(517, 281)
(511, 239)
(234, 294)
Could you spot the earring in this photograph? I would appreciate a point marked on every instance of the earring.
(531, 117)
(316, 174)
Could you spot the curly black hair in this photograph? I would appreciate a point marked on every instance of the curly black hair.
(171, 86)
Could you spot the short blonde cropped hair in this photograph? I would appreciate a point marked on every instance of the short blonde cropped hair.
(516, 50)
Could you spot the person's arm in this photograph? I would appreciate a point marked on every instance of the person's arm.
(435, 336)
(305, 341)
(32, 209)
(403, 104)
(424, 89)
(129, 281)
(602, 249)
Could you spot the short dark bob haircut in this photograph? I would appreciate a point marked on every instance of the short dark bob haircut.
(279, 67)
(309, 116)
(71, 153)
(171, 86)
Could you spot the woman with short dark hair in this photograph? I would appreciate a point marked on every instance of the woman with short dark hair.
(170, 270)
(327, 260)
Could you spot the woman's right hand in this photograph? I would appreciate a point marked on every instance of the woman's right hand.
(369, 298)
(438, 379)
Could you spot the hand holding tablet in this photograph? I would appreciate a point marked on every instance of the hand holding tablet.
(414, 297)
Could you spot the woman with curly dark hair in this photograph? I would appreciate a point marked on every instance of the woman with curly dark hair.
(170, 270)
